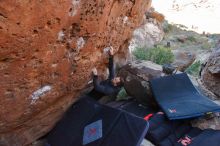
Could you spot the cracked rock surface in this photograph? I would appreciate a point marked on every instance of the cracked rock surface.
(211, 72)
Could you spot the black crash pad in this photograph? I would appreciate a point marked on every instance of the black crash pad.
(91, 124)
(179, 99)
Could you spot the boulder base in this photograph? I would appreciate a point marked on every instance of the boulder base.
(137, 75)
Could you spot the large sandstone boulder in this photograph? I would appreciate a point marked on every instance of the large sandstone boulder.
(155, 15)
(137, 75)
(211, 72)
(149, 33)
(209, 85)
(47, 50)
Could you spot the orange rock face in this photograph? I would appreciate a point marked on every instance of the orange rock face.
(47, 50)
(156, 15)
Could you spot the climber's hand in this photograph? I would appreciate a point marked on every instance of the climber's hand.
(111, 51)
(94, 71)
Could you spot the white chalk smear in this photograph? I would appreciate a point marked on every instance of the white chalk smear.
(61, 36)
(125, 19)
(40, 92)
(80, 43)
(75, 7)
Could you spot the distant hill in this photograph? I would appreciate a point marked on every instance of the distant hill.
(198, 15)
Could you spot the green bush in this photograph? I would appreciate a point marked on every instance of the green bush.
(191, 38)
(207, 45)
(160, 55)
(194, 69)
(167, 28)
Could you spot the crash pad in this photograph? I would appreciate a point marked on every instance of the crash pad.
(179, 99)
(88, 123)
(164, 132)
